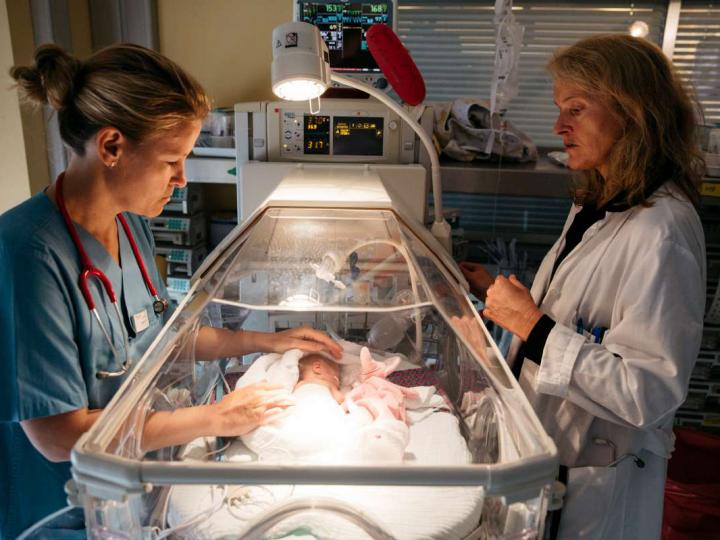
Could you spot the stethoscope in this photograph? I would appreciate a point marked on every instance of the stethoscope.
(89, 270)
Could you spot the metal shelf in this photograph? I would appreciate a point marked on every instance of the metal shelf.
(537, 179)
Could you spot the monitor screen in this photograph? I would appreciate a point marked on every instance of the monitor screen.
(357, 136)
(316, 134)
(343, 24)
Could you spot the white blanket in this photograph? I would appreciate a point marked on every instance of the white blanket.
(407, 513)
(315, 430)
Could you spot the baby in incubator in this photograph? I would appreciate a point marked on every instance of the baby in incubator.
(326, 426)
(312, 430)
(370, 420)
(316, 369)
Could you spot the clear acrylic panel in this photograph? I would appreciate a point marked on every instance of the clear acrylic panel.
(300, 258)
(367, 280)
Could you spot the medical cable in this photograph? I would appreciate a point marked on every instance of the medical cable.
(166, 502)
(199, 517)
(217, 450)
(251, 506)
(27, 532)
(226, 385)
(272, 517)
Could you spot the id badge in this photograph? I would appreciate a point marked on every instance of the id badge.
(140, 321)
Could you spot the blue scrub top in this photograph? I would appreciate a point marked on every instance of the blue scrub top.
(51, 347)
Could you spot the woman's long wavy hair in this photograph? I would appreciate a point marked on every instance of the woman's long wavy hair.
(659, 117)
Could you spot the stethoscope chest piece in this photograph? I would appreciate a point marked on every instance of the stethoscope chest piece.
(160, 305)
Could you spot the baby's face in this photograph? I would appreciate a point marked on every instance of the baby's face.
(317, 367)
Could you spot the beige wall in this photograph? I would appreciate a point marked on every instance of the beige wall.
(80, 34)
(225, 44)
(14, 177)
(23, 46)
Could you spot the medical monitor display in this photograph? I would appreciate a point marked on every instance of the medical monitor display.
(357, 136)
(343, 25)
(316, 135)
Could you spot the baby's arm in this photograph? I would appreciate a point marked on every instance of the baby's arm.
(337, 395)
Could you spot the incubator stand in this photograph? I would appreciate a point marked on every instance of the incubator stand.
(478, 464)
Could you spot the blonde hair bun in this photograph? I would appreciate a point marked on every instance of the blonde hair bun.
(131, 88)
(51, 79)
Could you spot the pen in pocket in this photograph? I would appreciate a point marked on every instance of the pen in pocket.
(595, 334)
(598, 333)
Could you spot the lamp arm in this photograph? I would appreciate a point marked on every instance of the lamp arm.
(434, 161)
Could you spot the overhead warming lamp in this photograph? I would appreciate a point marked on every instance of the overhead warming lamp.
(301, 71)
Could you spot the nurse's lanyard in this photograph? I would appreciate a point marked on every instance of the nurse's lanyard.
(89, 270)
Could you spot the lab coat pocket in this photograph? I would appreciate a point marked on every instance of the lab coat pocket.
(587, 505)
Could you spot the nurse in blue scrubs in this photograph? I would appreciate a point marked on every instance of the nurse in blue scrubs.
(129, 118)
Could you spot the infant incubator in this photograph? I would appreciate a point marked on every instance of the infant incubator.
(475, 462)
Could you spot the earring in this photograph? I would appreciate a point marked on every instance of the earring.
(112, 164)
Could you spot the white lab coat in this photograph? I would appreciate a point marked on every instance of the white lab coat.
(639, 273)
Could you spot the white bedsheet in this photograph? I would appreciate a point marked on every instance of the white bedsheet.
(407, 513)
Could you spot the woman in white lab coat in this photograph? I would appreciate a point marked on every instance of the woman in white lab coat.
(606, 339)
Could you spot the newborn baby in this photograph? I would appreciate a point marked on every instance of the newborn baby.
(316, 423)
(323, 427)
(320, 370)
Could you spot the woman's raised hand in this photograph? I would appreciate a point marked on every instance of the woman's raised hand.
(477, 277)
(509, 304)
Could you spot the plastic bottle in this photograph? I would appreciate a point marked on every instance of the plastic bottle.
(390, 329)
(387, 332)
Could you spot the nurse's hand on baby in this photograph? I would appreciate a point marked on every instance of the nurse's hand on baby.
(213, 343)
(304, 338)
(510, 305)
(247, 408)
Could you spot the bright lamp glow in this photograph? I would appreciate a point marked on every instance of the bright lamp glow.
(639, 29)
(299, 89)
(300, 70)
(299, 301)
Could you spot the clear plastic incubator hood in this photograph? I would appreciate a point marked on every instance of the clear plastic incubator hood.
(327, 249)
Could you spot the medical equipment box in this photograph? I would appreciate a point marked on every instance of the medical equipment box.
(181, 259)
(343, 131)
(179, 229)
(328, 249)
(178, 286)
(186, 200)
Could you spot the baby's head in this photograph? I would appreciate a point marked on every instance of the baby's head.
(318, 368)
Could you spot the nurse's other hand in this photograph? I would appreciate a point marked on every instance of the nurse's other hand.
(477, 277)
(304, 338)
(247, 408)
(510, 305)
